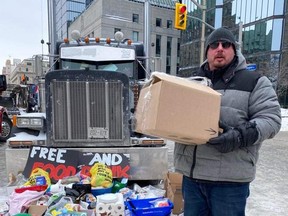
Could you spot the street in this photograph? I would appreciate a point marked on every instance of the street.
(3, 174)
(269, 191)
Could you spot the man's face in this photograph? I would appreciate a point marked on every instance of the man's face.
(220, 54)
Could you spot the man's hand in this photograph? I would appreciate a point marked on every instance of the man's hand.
(234, 138)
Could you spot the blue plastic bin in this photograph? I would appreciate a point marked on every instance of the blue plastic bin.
(100, 191)
(145, 207)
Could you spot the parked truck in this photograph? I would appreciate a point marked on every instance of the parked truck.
(90, 97)
(5, 121)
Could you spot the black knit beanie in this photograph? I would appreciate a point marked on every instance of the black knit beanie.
(220, 34)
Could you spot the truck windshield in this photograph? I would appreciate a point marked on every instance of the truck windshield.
(125, 67)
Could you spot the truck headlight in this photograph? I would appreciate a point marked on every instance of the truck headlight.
(22, 122)
(25, 122)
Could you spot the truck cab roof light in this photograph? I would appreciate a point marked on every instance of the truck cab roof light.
(119, 36)
(108, 40)
(129, 42)
(75, 35)
(66, 40)
(97, 39)
(86, 40)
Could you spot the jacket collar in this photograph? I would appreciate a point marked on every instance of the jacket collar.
(227, 72)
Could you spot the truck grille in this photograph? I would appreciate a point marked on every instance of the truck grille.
(83, 111)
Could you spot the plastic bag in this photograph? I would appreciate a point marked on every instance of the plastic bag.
(37, 172)
(161, 202)
(101, 175)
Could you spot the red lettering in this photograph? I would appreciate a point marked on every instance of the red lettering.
(59, 172)
(49, 168)
(62, 171)
(56, 173)
(85, 170)
(119, 172)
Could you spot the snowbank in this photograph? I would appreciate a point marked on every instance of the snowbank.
(284, 114)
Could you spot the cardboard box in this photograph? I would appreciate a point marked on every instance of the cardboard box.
(37, 209)
(173, 187)
(178, 109)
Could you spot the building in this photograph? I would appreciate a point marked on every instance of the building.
(29, 70)
(105, 17)
(263, 38)
(7, 70)
(65, 13)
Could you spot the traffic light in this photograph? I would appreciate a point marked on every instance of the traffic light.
(180, 19)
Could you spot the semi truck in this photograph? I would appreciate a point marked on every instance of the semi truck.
(90, 97)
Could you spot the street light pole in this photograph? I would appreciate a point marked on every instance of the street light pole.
(203, 8)
(147, 34)
(240, 35)
(52, 28)
(207, 24)
(203, 31)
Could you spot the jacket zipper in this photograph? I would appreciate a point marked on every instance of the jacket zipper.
(194, 162)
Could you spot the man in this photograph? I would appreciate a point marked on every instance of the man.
(216, 175)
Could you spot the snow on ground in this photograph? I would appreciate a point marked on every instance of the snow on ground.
(284, 114)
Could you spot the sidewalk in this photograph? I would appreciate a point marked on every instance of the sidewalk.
(269, 191)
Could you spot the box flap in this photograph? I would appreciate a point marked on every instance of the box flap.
(37, 209)
(190, 83)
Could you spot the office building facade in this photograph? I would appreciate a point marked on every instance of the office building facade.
(105, 17)
(261, 28)
(65, 13)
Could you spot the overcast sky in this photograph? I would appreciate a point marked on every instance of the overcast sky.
(23, 24)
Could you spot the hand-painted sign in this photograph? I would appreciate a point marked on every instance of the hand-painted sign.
(118, 163)
(60, 163)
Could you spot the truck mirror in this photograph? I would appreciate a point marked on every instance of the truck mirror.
(3, 83)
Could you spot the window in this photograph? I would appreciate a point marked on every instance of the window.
(169, 24)
(219, 2)
(135, 36)
(135, 18)
(218, 17)
(116, 30)
(178, 56)
(158, 22)
(278, 10)
(168, 58)
(276, 34)
(158, 45)
(169, 46)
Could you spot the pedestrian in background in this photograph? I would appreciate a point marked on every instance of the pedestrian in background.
(216, 175)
